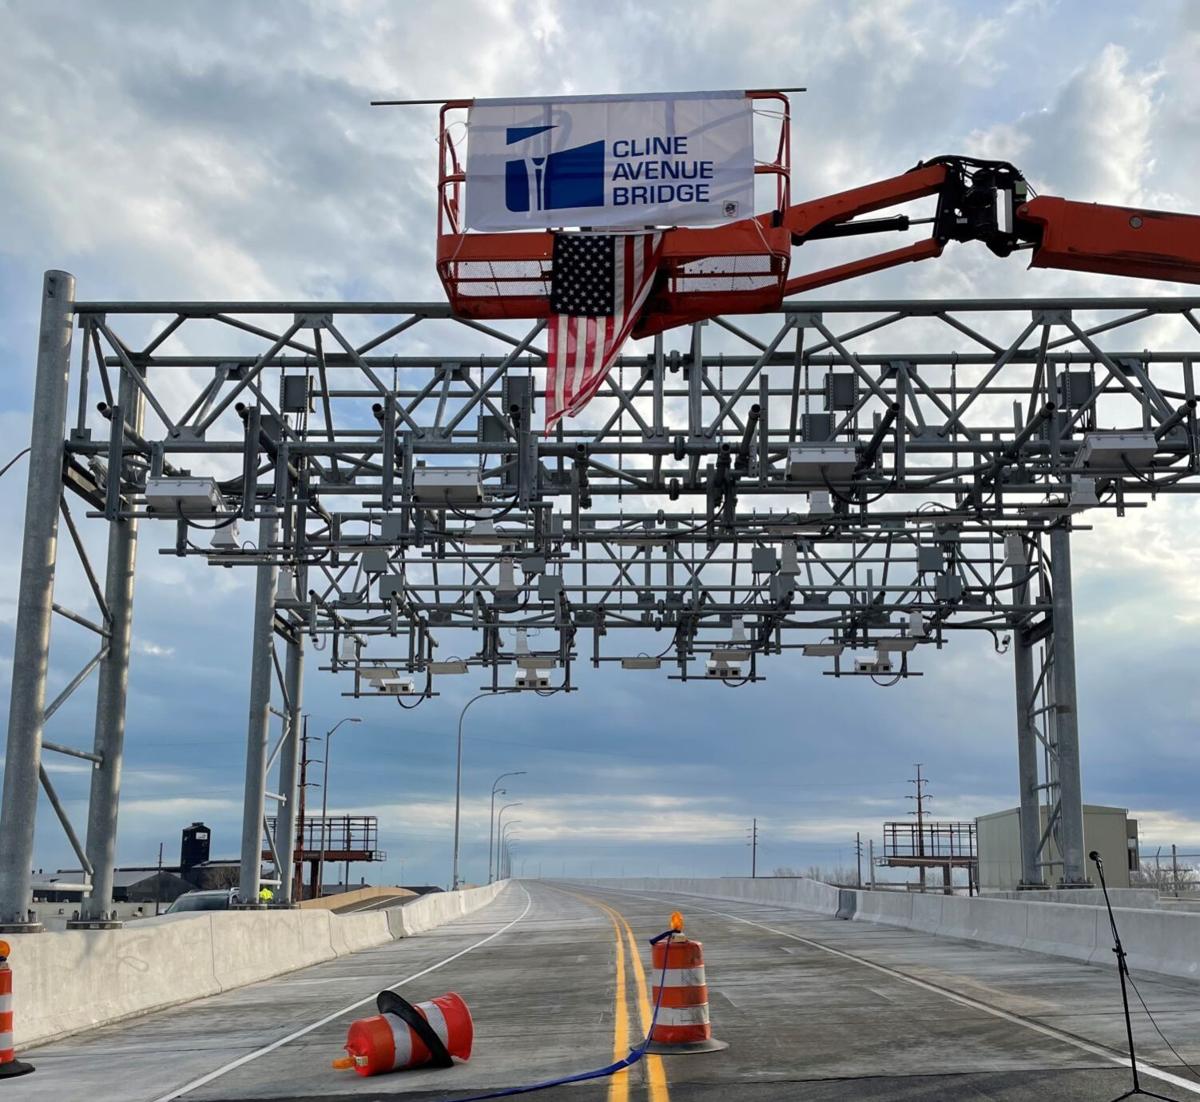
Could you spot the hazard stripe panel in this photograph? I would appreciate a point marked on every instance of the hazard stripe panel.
(681, 996)
(680, 954)
(401, 1040)
(683, 1015)
(680, 977)
(435, 1017)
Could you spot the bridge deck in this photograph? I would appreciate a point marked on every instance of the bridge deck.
(813, 1009)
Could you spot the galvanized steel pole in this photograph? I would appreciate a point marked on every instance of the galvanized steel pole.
(492, 815)
(1029, 818)
(112, 689)
(289, 768)
(1066, 714)
(258, 729)
(26, 713)
(458, 788)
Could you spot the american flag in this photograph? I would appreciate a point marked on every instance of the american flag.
(598, 287)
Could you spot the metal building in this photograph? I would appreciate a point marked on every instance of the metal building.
(1108, 830)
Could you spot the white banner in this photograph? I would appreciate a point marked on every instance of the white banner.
(610, 161)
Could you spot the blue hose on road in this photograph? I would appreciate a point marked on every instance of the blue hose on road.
(635, 1054)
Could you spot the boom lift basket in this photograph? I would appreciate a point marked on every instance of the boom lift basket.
(736, 268)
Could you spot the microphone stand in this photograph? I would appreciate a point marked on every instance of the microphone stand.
(1122, 971)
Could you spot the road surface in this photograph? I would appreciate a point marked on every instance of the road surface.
(813, 1009)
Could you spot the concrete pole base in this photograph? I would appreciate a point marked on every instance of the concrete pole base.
(22, 928)
(14, 1068)
(657, 1048)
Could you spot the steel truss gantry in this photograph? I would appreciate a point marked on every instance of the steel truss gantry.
(853, 481)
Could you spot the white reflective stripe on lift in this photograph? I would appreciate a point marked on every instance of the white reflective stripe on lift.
(683, 1015)
(680, 977)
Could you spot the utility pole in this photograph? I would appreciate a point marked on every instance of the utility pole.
(858, 854)
(753, 848)
(158, 893)
(920, 797)
(298, 842)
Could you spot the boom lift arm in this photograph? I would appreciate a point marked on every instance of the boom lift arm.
(987, 201)
(990, 201)
(749, 265)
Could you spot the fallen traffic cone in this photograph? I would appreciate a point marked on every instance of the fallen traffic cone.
(404, 1035)
(10, 1066)
(680, 994)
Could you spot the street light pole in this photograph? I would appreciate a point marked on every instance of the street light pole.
(492, 814)
(506, 841)
(325, 807)
(501, 826)
(458, 786)
(508, 853)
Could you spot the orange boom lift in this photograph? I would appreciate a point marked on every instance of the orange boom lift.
(746, 266)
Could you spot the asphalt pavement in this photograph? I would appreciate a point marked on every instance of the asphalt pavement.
(813, 1008)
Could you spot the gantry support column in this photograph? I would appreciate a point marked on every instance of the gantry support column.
(289, 768)
(112, 689)
(26, 713)
(259, 727)
(1027, 740)
(1066, 715)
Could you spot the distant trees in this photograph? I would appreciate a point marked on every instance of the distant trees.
(1166, 877)
(843, 877)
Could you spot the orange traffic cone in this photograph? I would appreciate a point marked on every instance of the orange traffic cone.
(10, 1066)
(403, 1035)
(680, 993)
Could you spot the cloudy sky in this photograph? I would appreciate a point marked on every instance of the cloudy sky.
(226, 150)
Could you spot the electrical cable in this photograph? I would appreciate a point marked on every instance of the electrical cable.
(635, 1053)
(23, 451)
(1157, 1030)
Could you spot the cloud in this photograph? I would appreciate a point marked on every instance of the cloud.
(203, 172)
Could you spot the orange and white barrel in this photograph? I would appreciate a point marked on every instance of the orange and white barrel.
(681, 994)
(386, 1042)
(10, 1066)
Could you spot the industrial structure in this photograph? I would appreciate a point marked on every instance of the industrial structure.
(848, 482)
(1107, 830)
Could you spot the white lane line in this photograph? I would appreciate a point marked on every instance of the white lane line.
(241, 1060)
(1144, 1068)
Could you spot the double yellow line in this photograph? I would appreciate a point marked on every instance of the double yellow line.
(656, 1075)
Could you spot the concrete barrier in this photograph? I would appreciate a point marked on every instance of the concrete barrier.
(1088, 897)
(73, 980)
(1157, 940)
(785, 891)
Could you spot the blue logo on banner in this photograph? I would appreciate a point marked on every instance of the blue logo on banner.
(569, 178)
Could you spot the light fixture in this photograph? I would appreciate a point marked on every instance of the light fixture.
(226, 538)
(377, 674)
(450, 666)
(823, 650)
(285, 589)
(641, 662)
